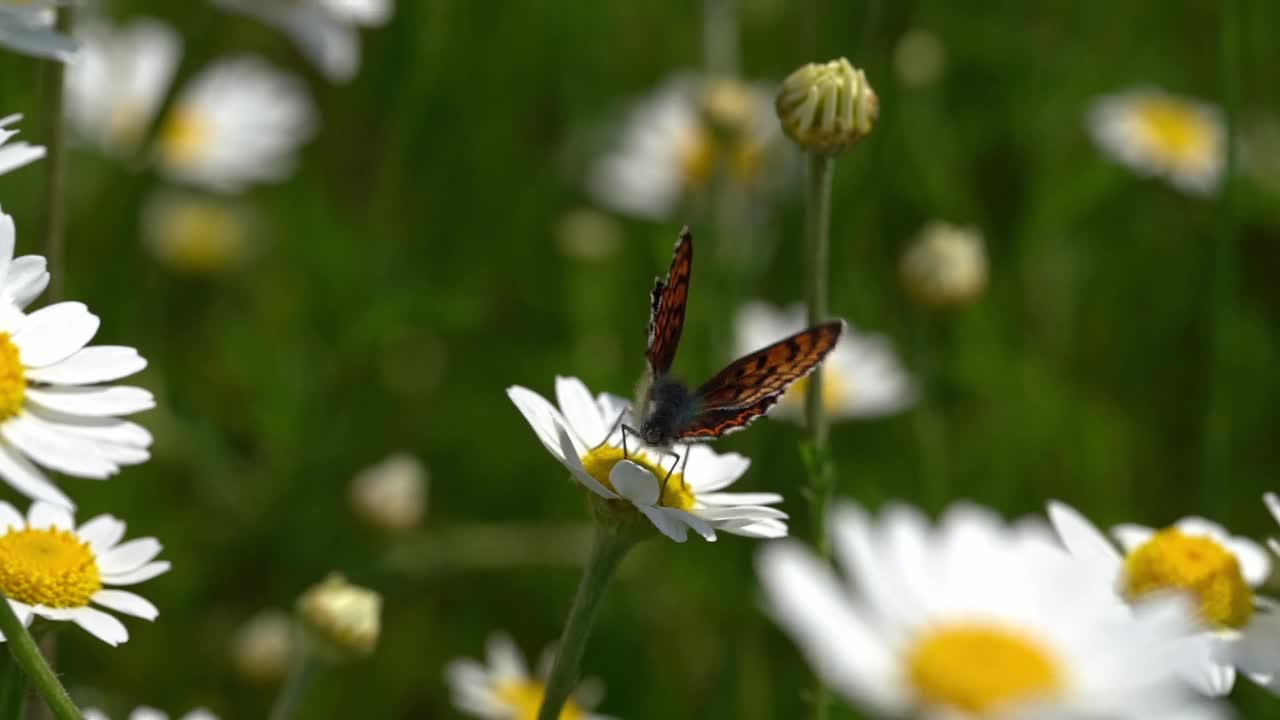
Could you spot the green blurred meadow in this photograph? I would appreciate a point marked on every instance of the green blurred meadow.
(410, 272)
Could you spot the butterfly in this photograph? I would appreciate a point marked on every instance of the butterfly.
(668, 411)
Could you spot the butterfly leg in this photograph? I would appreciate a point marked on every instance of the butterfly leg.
(672, 470)
(612, 429)
(626, 429)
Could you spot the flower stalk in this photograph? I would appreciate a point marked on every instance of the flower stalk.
(306, 667)
(55, 185)
(37, 671)
(614, 536)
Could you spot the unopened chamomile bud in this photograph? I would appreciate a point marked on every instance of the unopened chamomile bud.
(825, 107)
(392, 495)
(263, 647)
(343, 619)
(946, 266)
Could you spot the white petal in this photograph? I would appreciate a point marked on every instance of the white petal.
(102, 533)
(27, 479)
(708, 471)
(126, 602)
(43, 516)
(542, 416)
(1255, 564)
(742, 512)
(129, 556)
(93, 401)
(763, 529)
(10, 518)
(1131, 536)
(133, 577)
(575, 465)
(7, 237)
(54, 332)
(667, 523)
(695, 523)
(580, 411)
(1272, 502)
(739, 498)
(101, 625)
(58, 452)
(634, 483)
(100, 363)
(505, 660)
(27, 278)
(1082, 539)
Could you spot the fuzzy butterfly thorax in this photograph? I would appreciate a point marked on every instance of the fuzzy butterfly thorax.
(670, 405)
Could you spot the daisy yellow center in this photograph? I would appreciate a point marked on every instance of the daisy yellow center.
(202, 237)
(1173, 560)
(834, 391)
(13, 381)
(48, 567)
(1175, 129)
(124, 126)
(696, 154)
(980, 667)
(185, 135)
(524, 698)
(599, 463)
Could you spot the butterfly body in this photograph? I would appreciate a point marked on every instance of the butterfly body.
(669, 412)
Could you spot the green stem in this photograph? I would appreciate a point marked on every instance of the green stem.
(610, 545)
(720, 37)
(821, 472)
(305, 668)
(13, 688)
(55, 207)
(38, 673)
(1216, 427)
(929, 427)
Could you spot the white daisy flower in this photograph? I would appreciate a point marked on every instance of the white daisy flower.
(1155, 133)
(15, 155)
(673, 143)
(143, 712)
(51, 569)
(1196, 557)
(974, 619)
(861, 378)
(26, 26)
(327, 31)
(578, 435)
(117, 84)
(55, 409)
(197, 233)
(503, 689)
(238, 122)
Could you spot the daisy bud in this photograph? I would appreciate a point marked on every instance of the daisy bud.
(827, 107)
(945, 267)
(391, 495)
(263, 647)
(344, 619)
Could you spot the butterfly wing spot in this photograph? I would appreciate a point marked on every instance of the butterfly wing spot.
(712, 424)
(666, 307)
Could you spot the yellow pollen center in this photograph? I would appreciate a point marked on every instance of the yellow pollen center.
(677, 494)
(1172, 560)
(524, 698)
(1175, 130)
(13, 381)
(979, 667)
(185, 136)
(48, 567)
(696, 153)
(202, 237)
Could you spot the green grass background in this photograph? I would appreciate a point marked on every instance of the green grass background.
(411, 274)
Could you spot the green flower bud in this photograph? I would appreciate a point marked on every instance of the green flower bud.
(343, 619)
(827, 107)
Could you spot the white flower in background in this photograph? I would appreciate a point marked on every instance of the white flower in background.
(391, 495)
(327, 31)
(26, 26)
(946, 265)
(262, 648)
(239, 121)
(1194, 557)
(143, 712)
(919, 58)
(503, 689)
(119, 80)
(578, 435)
(196, 233)
(673, 143)
(15, 155)
(861, 378)
(55, 408)
(346, 618)
(973, 619)
(51, 569)
(1155, 133)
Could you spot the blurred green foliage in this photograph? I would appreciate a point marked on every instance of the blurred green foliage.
(411, 274)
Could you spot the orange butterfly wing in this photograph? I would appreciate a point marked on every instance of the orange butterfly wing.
(666, 312)
(750, 381)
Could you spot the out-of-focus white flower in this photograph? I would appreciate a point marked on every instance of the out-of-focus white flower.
(56, 406)
(1194, 557)
(582, 435)
(503, 689)
(143, 712)
(26, 26)
(327, 31)
(196, 233)
(15, 155)
(240, 121)
(263, 647)
(391, 495)
(946, 266)
(919, 58)
(673, 143)
(1155, 133)
(345, 618)
(861, 378)
(119, 80)
(52, 569)
(974, 619)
